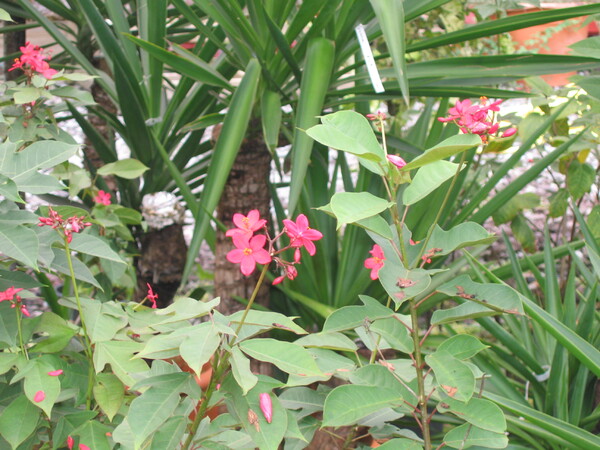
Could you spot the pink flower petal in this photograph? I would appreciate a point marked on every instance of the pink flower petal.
(55, 373)
(39, 396)
(266, 406)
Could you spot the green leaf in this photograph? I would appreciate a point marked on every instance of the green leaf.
(466, 234)
(20, 243)
(151, 409)
(240, 368)
(350, 132)
(9, 190)
(125, 168)
(313, 88)
(170, 433)
(8, 325)
(95, 246)
(307, 400)
(18, 421)
(333, 341)
(580, 178)
(453, 376)
(200, 344)
(94, 435)
(390, 15)
(288, 357)
(119, 354)
(109, 393)
(514, 206)
(56, 332)
(394, 333)
(350, 317)
(102, 320)
(27, 95)
(451, 146)
(259, 321)
(523, 233)
(265, 435)
(60, 264)
(271, 113)
(462, 346)
(350, 207)
(427, 180)
(558, 203)
(37, 379)
(482, 413)
(5, 15)
(348, 404)
(467, 435)
(481, 300)
(380, 376)
(185, 308)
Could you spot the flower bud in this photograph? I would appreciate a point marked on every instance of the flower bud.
(266, 406)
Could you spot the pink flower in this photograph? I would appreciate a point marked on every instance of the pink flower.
(83, 447)
(290, 272)
(380, 116)
(375, 262)
(152, 296)
(248, 252)
(509, 132)
(70, 442)
(246, 225)
(55, 373)
(470, 19)
(301, 235)
(9, 294)
(396, 160)
(39, 396)
(32, 59)
(25, 311)
(266, 406)
(103, 198)
(474, 119)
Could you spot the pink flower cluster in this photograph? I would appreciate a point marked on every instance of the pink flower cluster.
(11, 296)
(476, 118)
(250, 248)
(33, 60)
(69, 226)
(102, 198)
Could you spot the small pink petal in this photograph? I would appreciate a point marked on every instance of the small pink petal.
(509, 132)
(83, 447)
(39, 396)
(70, 442)
(397, 161)
(55, 373)
(266, 406)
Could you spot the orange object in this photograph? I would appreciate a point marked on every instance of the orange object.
(557, 44)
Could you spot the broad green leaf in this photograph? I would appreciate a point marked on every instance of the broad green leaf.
(427, 180)
(449, 147)
(265, 435)
(28, 94)
(462, 346)
(156, 405)
(313, 88)
(170, 433)
(9, 190)
(404, 444)
(558, 203)
(60, 264)
(18, 421)
(307, 400)
(164, 345)
(514, 206)
(95, 435)
(200, 344)
(185, 308)
(580, 178)
(259, 321)
(350, 317)
(380, 376)
(125, 168)
(394, 332)
(56, 333)
(453, 376)
(348, 404)
(523, 233)
(478, 411)
(240, 368)
(95, 246)
(376, 224)
(288, 357)
(466, 234)
(20, 243)
(467, 435)
(119, 354)
(333, 341)
(4, 15)
(9, 360)
(587, 47)
(402, 284)
(349, 207)
(479, 300)
(109, 393)
(68, 423)
(8, 325)
(350, 132)
(271, 113)
(36, 380)
(18, 217)
(101, 322)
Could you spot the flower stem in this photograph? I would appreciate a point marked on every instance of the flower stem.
(422, 396)
(88, 343)
(221, 366)
(20, 331)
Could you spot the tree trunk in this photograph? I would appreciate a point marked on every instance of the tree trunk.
(12, 42)
(247, 188)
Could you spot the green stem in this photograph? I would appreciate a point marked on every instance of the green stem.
(20, 330)
(221, 366)
(422, 395)
(88, 343)
(442, 207)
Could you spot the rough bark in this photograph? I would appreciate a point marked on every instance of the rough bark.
(247, 188)
(162, 259)
(12, 42)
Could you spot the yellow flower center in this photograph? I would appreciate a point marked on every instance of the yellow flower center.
(247, 251)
